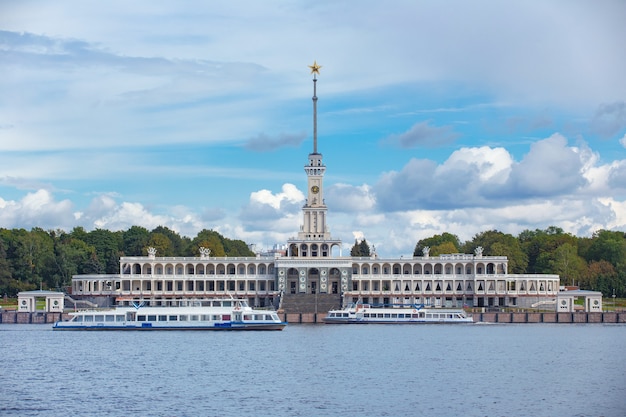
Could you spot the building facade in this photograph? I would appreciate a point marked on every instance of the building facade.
(314, 265)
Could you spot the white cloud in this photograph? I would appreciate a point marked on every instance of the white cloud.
(36, 209)
(551, 168)
(346, 197)
(491, 165)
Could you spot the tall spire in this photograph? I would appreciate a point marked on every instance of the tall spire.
(315, 69)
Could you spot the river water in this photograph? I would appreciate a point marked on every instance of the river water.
(317, 370)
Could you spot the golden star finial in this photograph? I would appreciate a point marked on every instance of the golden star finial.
(315, 69)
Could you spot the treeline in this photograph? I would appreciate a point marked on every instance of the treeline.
(47, 259)
(597, 263)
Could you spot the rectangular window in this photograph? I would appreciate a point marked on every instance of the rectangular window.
(173, 318)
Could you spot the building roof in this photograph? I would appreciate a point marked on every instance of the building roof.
(40, 293)
(579, 293)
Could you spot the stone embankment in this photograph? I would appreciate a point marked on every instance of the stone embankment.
(528, 317)
(12, 316)
(515, 318)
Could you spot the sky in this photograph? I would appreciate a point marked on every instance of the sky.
(457, 116)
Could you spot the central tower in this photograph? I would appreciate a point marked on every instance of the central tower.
(314, 238)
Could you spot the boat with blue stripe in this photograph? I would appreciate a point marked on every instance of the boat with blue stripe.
(192, 314)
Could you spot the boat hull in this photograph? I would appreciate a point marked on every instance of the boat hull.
(65, 326)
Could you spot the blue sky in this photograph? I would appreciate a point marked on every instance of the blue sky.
(458, 116)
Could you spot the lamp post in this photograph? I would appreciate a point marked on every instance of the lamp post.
(613, 299)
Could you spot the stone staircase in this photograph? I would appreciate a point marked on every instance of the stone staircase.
(310, 303)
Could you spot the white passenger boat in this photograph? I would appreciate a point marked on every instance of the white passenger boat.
(396, 314)
(205, 314)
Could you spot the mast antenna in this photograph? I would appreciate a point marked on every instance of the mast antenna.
(315, 70)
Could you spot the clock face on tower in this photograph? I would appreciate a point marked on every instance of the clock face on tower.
(315, 189)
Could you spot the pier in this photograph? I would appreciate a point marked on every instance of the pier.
(15, 317)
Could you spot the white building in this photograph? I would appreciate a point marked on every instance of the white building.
(313, 273)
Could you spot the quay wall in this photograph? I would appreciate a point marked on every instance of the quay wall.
(15, 317)
(510, 318)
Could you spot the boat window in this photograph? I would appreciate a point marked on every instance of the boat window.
(173, 318)
(141, 317)
(387, 315)
(77, 318)
(162, 318)
(247, 317)
(152, 317)
(88, 318)
(109, 317)
(194, 317)
(217, 317)
(227, 303)
(226, 317)
(205, 317)
(119, 317)
(183, 317)
(394, 316)
(99, 318)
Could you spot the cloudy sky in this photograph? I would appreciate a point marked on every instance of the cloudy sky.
(458, 116)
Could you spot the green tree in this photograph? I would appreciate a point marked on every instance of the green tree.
(73, 256)
(597, 270)
(7, 283)
(209, 239)
(135, 241)
(495, 243)
(608, 246)
(161, 243)
(178, 246)
(568, 265)
(360, 249)
(540, 245)
(438, 244)
(107, 245)
(236, 247)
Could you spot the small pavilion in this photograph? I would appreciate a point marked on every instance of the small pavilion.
(565, 301)
(27, 301)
